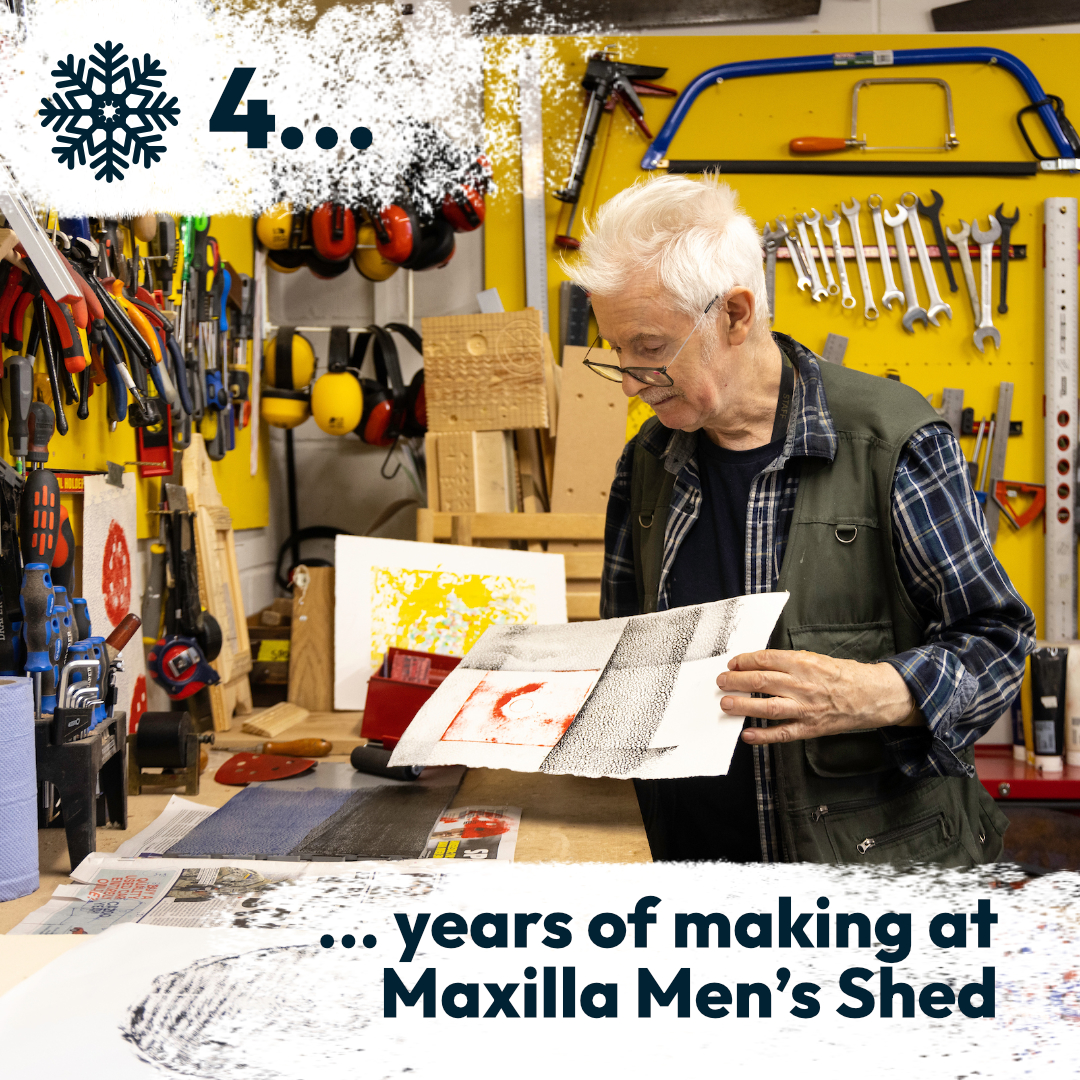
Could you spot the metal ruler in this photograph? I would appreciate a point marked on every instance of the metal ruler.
(998, 452)
(532, 183)
(1060, 344)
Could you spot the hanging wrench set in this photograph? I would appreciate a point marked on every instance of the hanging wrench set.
(814, 259)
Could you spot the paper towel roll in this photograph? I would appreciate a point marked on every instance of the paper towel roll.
(18, 790)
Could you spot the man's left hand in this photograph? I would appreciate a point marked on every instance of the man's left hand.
(816, 695)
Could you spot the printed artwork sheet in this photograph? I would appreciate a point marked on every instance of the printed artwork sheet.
(634, 697)
(437, 598)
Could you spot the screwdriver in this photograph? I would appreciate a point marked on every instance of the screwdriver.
(18, 393)
(81, 616)
(63, 564)
(36, 601)
(39, 509)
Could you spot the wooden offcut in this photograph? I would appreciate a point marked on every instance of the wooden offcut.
(485, 372)
(472, 470)
(311, 652)
(592, 434)
(275, 720)
(219, 585)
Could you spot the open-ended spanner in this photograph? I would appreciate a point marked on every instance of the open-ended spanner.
(813, 219)
(985, 240)
(818, 290)
(794, 253)
(891, 291)
(960, 239)
(870, 310)
(914, 313)
(932, 213)
(833, 225)
(771, 241)
(1006, 224)
(937, 305)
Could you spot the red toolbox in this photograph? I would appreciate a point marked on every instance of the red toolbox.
(394, 696)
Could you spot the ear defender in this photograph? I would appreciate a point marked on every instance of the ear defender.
(337, 398)
(288, 367)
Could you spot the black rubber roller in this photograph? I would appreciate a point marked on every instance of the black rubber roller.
(161, 740)
(374, 759)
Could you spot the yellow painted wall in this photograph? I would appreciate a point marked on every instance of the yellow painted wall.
(755, 118)
(89, 444)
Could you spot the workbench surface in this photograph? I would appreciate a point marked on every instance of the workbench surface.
(564, 818)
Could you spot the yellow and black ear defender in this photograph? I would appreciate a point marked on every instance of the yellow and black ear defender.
(274, 226)
(288, 366)
(371, 263)
(337, 401)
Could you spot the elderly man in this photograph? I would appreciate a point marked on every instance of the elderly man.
(765, 469)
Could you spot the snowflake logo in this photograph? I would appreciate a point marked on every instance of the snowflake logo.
(108, 111)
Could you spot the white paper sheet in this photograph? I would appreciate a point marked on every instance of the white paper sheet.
(431, 597)
(112, 578)
(178, 818)
(630, 697)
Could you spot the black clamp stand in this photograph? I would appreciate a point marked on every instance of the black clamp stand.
(78, 769)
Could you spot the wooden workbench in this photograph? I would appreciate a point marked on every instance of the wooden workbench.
(564, 818)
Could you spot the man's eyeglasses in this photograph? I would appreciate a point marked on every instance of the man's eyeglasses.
(649, 375)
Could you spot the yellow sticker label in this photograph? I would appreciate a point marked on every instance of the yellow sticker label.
(273, 652)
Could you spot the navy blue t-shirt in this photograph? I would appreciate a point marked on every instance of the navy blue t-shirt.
(713, 817)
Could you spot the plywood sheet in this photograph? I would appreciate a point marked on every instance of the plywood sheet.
(485, 372)
(592, 433)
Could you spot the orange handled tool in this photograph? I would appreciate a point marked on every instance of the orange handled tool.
(311, 748)
(817, 144)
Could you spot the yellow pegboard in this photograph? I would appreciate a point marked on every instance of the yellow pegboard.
(89, 443)
(754, 118)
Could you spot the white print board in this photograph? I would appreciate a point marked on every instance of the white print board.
(112, 579)
(633, 697)
(436, 598)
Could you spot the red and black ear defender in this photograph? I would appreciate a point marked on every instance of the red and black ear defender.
(436, 246)
(391, 409)
(397, 232)
(463, 208)
(333, 232)
(292, 258)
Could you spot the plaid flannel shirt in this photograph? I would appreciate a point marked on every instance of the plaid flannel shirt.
(978, 629)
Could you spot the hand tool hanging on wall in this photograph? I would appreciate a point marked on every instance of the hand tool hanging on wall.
(606, 81)
(851, 212)
(11, 653)
(1052, 114)
(798, 259)
(891, 291)
(771, 239)
(832, 223)
(932, 212)
(985, 240)
(815, 144)
(1006, 224)
(817, 289)
(910, 202)
(960, 239)
(997, 450)
(914, 313)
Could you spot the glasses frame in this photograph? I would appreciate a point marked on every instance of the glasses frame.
(600, 369)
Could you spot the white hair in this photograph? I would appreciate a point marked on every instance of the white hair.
(690, 233)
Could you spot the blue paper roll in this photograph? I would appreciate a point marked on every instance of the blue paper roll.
(18, 790)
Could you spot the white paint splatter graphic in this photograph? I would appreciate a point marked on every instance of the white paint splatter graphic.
(416, 82)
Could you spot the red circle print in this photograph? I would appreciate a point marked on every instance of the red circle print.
(116, 575)
(138, 703)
